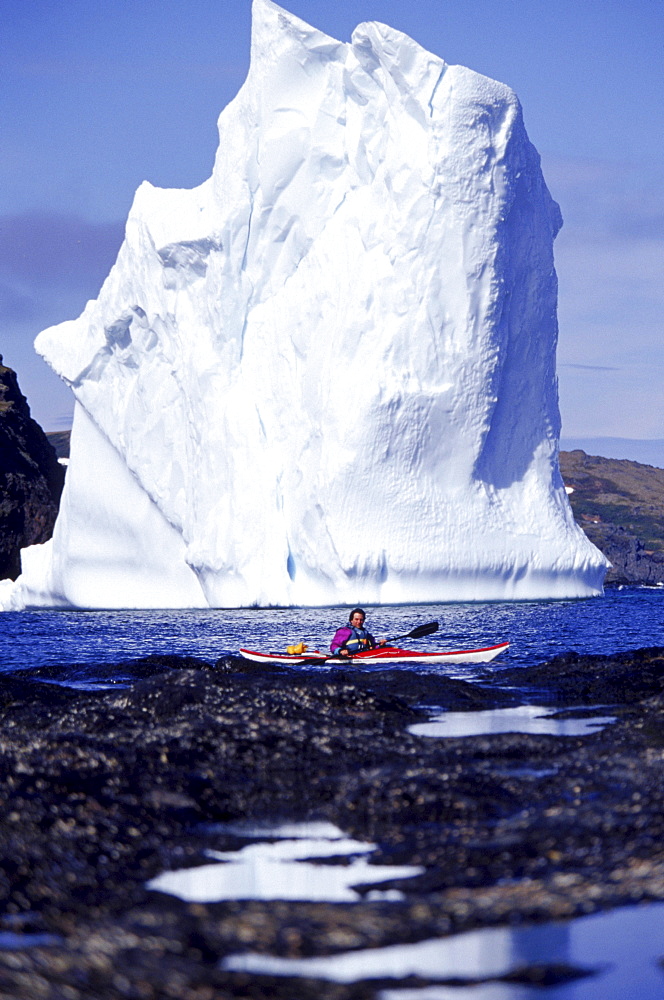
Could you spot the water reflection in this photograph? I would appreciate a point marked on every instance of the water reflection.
(284, 869)
(461, 955)
(14, 941)
(622, 947)
(533, 719)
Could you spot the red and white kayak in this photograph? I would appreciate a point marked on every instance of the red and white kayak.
(383, 655)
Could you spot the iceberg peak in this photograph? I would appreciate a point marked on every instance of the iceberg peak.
(327, 374)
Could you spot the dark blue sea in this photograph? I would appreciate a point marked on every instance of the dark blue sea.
(87, 644)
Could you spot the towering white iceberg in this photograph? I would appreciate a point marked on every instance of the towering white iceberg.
(327, 374)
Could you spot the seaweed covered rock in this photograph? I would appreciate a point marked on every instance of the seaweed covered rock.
(183, 762)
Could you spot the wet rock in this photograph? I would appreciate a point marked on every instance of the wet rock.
(574, 679)
(103, 790)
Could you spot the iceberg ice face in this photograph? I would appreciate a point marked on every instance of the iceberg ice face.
(327, 374)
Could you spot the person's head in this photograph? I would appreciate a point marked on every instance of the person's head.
(356, 617)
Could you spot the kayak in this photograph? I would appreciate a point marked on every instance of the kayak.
(382, 655)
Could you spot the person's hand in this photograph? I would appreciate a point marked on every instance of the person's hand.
(344, 652)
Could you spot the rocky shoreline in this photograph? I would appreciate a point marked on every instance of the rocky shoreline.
(31, 479)
(104, 790)
(619, 504)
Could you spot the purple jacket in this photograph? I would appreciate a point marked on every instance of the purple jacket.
(342, 635)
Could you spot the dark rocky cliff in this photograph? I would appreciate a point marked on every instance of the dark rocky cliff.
(31, 477)
(620, 506)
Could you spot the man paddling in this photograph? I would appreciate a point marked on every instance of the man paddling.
(353, 638)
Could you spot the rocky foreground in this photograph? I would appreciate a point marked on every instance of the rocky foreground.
(104, 790)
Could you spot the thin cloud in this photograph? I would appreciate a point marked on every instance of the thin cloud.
(611, 301)
(16, 304)
(590, 368)
(40, 248)
(621, 200)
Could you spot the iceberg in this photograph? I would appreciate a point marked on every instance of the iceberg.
(327, 374)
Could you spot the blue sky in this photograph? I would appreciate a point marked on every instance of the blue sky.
(96, 97)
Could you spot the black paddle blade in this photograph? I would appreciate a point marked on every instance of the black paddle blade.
(417, 633)
(422, 630)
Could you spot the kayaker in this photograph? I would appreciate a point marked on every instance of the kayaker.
(353, 638)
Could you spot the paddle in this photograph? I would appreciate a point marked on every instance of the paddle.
(417, 633)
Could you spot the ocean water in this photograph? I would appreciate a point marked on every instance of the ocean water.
(91, 641)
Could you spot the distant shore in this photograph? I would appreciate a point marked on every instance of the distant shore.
(104, 790)
(619, 504)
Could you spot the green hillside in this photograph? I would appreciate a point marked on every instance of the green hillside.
(620, 506)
